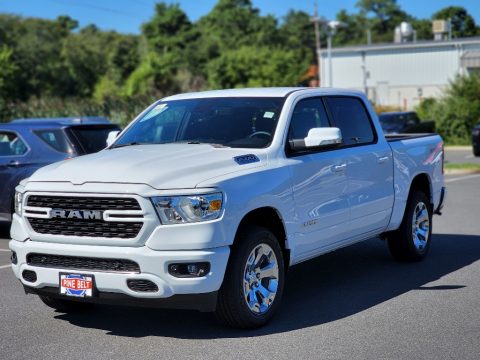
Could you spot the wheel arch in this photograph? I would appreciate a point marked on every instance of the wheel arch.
(423, 183)
(270, 218)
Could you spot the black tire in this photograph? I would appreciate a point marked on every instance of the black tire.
(476, 151)
(232, 308)
(402, 241)
(66, 305)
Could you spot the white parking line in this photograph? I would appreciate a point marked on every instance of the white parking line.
(462, 178)
(6, 250)
(469, 157)
(5, 266)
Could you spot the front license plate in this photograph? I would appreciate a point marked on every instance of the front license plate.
(78, 285)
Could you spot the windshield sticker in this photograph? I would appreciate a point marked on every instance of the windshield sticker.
(155, 111)
(269, 115)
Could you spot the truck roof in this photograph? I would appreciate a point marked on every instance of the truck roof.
(58, 122)
(260, 92)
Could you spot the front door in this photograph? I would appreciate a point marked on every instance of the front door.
(319, 185)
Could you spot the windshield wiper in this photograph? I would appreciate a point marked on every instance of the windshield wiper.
(127, 144)
(196, 142)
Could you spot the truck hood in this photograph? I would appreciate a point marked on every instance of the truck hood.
(166, 166)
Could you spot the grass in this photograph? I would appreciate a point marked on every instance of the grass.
(462, 166)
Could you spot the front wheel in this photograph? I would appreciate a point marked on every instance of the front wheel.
(253, 285)
(411, 241)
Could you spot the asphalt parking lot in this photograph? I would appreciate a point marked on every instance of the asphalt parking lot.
(355, 303)
(462, 154)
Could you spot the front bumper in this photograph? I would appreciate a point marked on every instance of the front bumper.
(111, 285)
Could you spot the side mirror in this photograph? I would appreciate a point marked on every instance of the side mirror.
(112, 136)
(318, 138)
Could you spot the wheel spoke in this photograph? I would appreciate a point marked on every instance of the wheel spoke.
(260, 278)
(269, 271)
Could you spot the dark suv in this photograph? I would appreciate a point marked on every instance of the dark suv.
(28, 144)
(476, 140)
(403, 122)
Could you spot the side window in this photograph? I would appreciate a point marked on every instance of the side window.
(55, 139)
(352, 118)
(11, 145)
(308, 114)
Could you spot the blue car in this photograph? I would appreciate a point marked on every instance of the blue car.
(28, 144)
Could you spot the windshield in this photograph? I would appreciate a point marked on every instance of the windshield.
(232, 122)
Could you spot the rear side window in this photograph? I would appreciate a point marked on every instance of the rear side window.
(350, 115)
(11, 145)
(308, 114)
(56, 139)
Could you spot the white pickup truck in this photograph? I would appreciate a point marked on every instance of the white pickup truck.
(206, 199)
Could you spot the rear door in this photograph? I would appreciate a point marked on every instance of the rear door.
(369, 166)
(15, 159)
(319, 184)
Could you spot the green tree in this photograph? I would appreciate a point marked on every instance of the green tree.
(463, 24)
(458, 111)
(384, 16)
(250, 66)
(297, 34)
(8, 74)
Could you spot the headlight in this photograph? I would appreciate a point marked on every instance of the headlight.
(188, 209)
(18, 203)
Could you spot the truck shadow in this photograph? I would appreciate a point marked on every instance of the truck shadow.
(329, 288)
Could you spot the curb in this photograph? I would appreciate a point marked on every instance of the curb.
(461, 171)
(458, 148)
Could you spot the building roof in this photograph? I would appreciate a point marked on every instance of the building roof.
(424, 44)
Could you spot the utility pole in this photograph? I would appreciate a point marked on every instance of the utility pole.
(316, 23)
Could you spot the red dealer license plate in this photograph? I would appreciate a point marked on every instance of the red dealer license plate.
(78, 285)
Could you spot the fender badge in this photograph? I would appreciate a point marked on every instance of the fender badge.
(246, 159)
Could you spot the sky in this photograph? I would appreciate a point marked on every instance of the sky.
(127, 15)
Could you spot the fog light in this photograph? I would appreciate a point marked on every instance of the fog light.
(189, 270)
(13, 258)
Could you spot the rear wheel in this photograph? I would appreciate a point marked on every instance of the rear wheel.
(476, 151)
(66, 305)
(411, 241)
(253, 285)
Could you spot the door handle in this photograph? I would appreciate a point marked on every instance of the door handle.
(338, 168)
(13, 163)
(383, 159)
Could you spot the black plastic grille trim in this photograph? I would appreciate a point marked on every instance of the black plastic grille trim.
(142, 285)
(90, 228)
(83, 203)
(29, 275)
(82, 263)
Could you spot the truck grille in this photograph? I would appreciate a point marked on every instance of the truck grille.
(84, 227)
(82, 263)
(85, 203)
(90, 228)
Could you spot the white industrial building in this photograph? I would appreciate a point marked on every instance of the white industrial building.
(400, 74)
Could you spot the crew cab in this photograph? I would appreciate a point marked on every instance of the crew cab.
(206, 199)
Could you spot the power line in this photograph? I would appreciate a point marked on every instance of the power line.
(87, 5)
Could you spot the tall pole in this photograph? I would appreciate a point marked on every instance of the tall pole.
(330, 72)
(316, 24)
